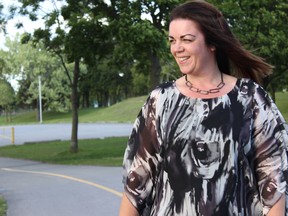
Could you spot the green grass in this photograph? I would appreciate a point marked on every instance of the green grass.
(125, 111)
(282, 103)
(106, 152)
(3, 206)
(102, 152)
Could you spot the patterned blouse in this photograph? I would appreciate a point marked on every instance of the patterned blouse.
(220, 156)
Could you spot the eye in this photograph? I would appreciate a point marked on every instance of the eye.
(171, 40)
(188, 39)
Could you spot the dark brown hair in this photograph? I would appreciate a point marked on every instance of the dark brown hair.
(231, 56)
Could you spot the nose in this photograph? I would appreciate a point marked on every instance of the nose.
(177, 47)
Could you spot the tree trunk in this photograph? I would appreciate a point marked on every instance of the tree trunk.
(87, 99)
(155, 70)
(85, 102)
(6, 114)
(75, 101)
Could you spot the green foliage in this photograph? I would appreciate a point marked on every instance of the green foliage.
(130, 38)
(26, 63)
(7, 98)
(2, 67)
(140, 81)
(141, 38)
(3, 20)
(260, 26)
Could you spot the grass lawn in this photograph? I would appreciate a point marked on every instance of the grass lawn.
(125, 111)
(3, 206)
(282, 103)
(102, 152)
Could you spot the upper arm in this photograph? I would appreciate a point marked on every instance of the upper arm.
(270, 142)
(141, 157)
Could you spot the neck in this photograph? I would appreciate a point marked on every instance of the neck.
(203, 78)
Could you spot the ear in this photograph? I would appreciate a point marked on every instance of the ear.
(212, 48)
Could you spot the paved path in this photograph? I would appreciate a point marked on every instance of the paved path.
(37, 189)
(46, 132)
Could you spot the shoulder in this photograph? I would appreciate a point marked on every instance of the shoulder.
(160, 94)
(162, 88)
(250, 88)
(262, 103)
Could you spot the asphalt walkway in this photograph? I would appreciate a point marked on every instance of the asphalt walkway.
(37, 189)
(46, 132)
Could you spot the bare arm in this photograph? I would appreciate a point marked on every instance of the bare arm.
(126, 207)
(279, 208)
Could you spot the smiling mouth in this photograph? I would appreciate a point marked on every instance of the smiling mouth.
(183, 59)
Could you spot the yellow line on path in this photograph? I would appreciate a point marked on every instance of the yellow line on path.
(67, 177)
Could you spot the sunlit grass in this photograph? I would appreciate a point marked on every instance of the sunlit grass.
(3, 206)
(125, 111)
(282, 103)
(104, 152)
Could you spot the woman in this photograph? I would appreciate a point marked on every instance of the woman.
(212, 142)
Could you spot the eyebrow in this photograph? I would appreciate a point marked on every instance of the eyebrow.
(182, 36)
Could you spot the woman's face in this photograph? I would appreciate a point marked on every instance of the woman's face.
(188, 46)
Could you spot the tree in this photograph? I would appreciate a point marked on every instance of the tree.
(261, 27)
(3, 20)
(25, 63)
(2, 30)
(7, 98)
(76, 40)
(140, 28)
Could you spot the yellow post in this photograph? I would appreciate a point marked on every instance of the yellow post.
(12, 136)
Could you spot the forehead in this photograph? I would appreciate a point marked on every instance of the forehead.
(183, 26)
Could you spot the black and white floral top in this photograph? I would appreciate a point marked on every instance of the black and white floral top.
(220, 156)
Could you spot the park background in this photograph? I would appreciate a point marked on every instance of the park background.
(86, 56)
(90, 61)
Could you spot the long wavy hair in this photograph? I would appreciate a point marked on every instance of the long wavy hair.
(232, 58)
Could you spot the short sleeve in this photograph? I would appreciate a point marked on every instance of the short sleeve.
(141, 156)
(270, 137)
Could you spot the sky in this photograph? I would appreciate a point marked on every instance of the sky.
(11, 29)
(29, 26)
